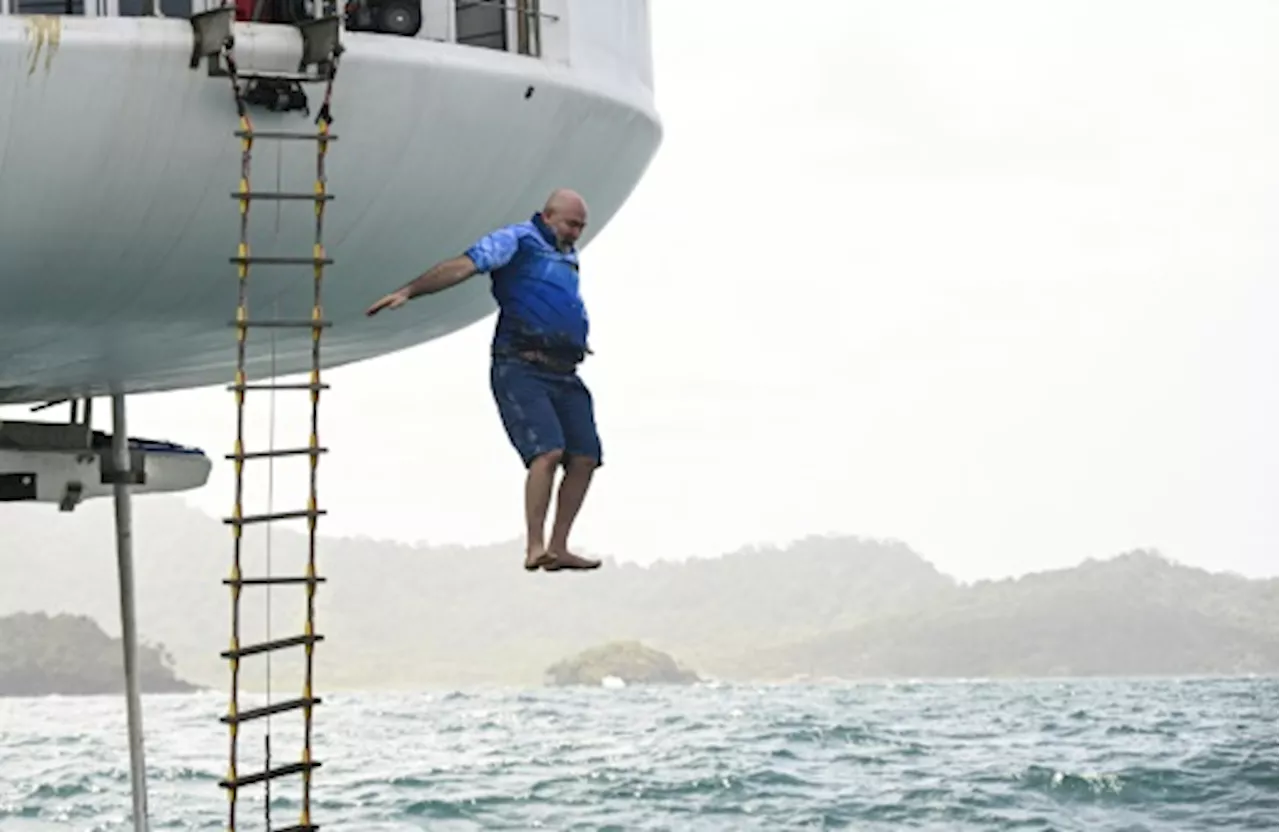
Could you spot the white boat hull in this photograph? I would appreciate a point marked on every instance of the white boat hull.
(117, 164)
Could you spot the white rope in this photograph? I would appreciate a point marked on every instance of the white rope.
(271, 489)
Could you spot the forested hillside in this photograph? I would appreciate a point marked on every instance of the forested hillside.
(399, 616)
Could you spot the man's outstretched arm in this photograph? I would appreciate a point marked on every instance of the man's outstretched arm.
(490, 252)
(441, 276)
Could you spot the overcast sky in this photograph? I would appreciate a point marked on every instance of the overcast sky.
(997, 279)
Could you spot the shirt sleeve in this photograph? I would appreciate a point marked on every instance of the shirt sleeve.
(494, 250)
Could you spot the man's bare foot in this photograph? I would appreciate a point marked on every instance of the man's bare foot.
(568, 560)
(535, 559)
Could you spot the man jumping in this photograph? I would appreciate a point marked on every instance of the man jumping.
(539, 340)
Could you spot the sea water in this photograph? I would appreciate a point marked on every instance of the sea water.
(1094, 755)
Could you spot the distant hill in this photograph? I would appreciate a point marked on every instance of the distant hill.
(1136, 614)
(398, 615)
(401, 616)
(70, 655)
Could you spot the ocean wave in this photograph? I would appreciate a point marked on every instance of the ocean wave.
(1091, 755)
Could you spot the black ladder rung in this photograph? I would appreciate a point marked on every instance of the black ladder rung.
(250, 519)
(274, 75)
(269, 774)
(269, 386)
(285, 134)
(270, 646)
(301, 196)
(301, 827)
(266, 260)
(299, 323)
(276, 454)
(273, 581)
(268, 710)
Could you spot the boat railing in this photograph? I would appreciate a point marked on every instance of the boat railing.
(504, 25)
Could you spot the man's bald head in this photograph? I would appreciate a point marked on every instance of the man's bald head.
(565, 198)
(565, 212)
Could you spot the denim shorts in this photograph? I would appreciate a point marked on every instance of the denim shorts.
(543, 410)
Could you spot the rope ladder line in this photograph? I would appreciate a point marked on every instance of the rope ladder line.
(234, 782)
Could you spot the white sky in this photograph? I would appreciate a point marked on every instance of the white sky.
(997, 279)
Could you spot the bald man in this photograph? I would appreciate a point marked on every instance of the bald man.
(538, 343)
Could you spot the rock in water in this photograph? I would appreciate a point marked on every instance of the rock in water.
(630, 661)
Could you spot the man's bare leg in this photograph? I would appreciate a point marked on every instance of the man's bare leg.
(537, 499)
(573, 490)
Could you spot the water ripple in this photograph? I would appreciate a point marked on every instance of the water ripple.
(1094, 755)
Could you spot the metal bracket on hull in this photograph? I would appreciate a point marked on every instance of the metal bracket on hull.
(71, 497)
(212, 33)
(321, 44)
(136, 474)
(212, 36)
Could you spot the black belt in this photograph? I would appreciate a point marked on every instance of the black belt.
(541, 359)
